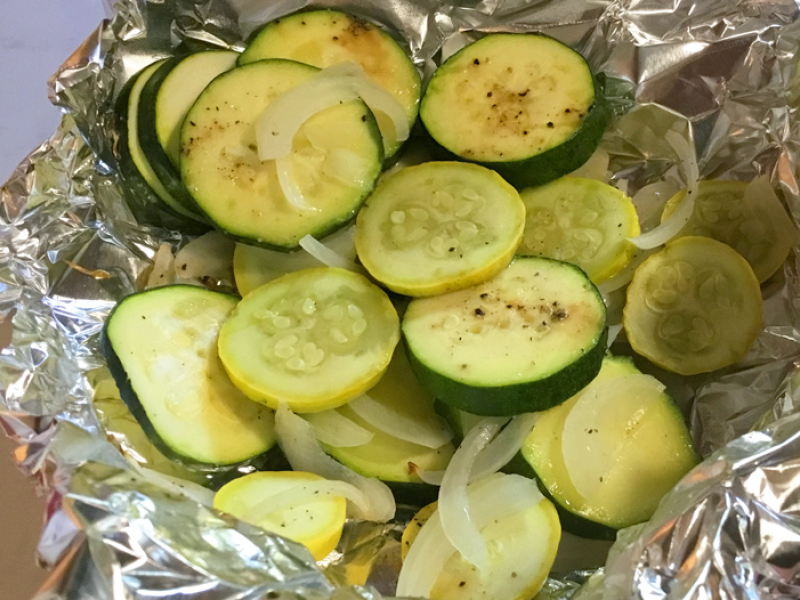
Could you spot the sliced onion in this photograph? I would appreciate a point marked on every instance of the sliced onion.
(327, 256)
(396, 424)
(302, 493)
(604, 408)
(278, 124)
(623, 277)
(163, 272)
(288, 183)
(296, 439)
(429, 477)
(650, 200)
(613, 332)
(503, 448)
(191, 490)
(667, 230)
(454, 512)
(495, 496)
(333, 428)
(209, 256)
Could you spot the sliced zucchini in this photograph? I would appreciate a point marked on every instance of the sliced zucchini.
(165, 100)
(161, 348)
(607, 455)
(745, 215)
(253, 266)
(139, 154)
(439, 227)
(582, 221)
(315, 521)
(241, 194)
(386, 456)
(324, 38)
(313, 339)
(693, 307)
(524, 341)
(524, 105)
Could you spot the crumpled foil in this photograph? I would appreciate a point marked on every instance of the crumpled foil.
(722, 72)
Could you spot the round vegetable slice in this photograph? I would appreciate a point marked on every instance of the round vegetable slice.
(315, 520)
(693, 307)
(582, 221)
(523, 341)
(607, 455)
(324, 38)
(439, 227)
(313, 339)
(745, 215)
(335, 160)
(522, 104)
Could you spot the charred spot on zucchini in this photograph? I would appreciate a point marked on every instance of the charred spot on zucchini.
(324, 38)
(161, 348)
(524, 341)
(243, 195)
(524, 105)
(439, 227)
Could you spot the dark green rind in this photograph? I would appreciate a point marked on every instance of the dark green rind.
(159, 161)
(330, 227)
(271, 460)
(140, 197)
(515, 399)
(571, 522)
(414, 495)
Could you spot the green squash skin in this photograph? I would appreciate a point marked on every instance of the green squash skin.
(148, 139)
(145, 204)
(271, 460)
(514, 399)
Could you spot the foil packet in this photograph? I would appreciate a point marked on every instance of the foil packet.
(123, 524)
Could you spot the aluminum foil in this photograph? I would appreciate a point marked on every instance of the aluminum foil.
(721, 72)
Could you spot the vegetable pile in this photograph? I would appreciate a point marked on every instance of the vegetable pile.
(501, 413)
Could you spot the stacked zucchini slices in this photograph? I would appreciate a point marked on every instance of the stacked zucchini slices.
(486, 264)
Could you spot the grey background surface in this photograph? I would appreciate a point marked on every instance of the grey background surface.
(36, 36)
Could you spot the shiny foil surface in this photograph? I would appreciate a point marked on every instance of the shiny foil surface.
(125, 523)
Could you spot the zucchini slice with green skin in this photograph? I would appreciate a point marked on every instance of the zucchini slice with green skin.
(324, 38)
(165, 99)
(439, 227)
(524, 341)
(582, 221)
(608, 454)
(745, 215)
(313, 339)
(161, 348)
(316, 523)
(241, 194)
(138, 153)
(693, 307)
(387, 457)
(522, 104)
(142, 199)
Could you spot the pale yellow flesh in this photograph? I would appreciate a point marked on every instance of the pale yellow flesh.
(327, 38)
(581, 221)
(316, 524)
(513, 93)
(439, 227)
(181, 383)
(531, 326)
(313, 339)
(654, 451)
(385, 456)
(245, 197)
(693, 307)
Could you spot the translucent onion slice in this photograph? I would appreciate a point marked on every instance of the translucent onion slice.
(296, 439)
(208, 257)
(278, 124)
(429, 435)
(301, 494)
(429, 477)
(495, 496)
(613, 332)
(623, 277)
(327, 256)
(504, 447)
(608, 408)
(650, 200)
(288, 183)
(667, 230)
(163, 271)
(333, 428)
(454, 511)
